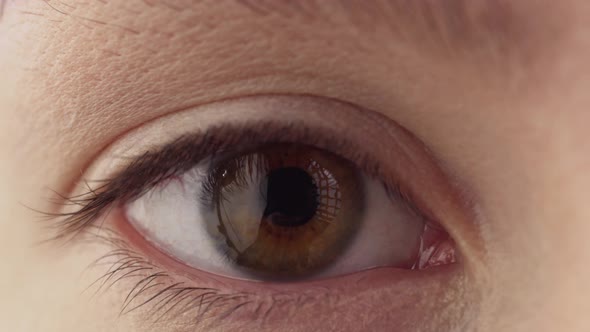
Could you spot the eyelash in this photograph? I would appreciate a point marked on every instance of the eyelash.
(172, 301)
(161, 164)
(158, 165)
(157, 287)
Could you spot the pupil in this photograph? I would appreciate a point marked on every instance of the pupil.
(292, 197)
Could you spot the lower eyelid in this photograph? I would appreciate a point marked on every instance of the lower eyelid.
(395, 297)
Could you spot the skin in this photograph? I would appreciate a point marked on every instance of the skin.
(502, 106)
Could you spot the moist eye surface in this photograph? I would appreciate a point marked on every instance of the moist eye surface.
(285, 210)
(281, 211)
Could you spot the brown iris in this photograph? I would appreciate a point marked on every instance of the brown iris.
(286, 210)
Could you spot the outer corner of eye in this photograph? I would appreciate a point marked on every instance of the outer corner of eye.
(285, 212)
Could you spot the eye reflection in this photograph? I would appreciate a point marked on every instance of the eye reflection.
(286, 210)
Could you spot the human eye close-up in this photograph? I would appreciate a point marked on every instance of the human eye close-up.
(262, 165)
(257, 209)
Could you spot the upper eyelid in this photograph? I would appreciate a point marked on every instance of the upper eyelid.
(128, 153)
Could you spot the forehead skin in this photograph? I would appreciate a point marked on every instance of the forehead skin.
(497, 90)
(112, 65)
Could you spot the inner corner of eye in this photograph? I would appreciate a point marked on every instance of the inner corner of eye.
(284, 212)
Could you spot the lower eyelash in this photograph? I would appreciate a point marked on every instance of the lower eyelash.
(169, 301)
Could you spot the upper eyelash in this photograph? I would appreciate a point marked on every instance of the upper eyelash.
(157, 165)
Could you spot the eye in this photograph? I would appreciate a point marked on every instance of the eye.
(282, 212)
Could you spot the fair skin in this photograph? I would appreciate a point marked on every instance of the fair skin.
(496, 91)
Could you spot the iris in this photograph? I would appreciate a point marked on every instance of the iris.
(286, 210)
